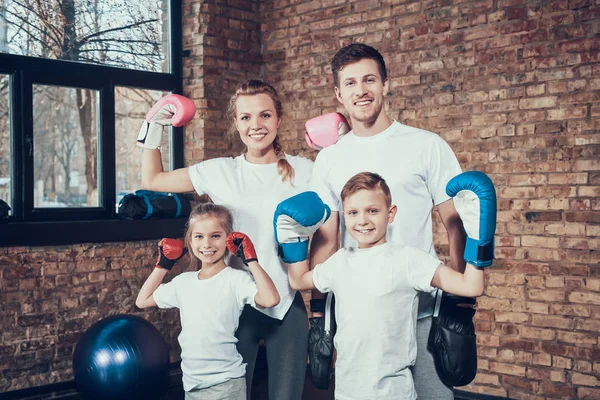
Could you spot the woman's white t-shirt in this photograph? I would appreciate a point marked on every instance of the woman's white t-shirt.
(252, 192)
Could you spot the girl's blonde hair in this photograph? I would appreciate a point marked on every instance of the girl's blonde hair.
(204, 210)
(253, 87)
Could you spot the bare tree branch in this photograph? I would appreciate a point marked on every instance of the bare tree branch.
(118, 51)
(123, 41)
(28, 24)
(84, 39)
(44, 18)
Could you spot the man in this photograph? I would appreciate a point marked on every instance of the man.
(417, 165)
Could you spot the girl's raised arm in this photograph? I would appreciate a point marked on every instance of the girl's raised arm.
(170, 251)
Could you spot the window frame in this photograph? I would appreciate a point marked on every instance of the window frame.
(29, 226)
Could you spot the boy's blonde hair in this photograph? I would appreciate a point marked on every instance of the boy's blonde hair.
(367, 181)
(204, 210)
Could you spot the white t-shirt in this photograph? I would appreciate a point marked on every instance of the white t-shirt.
(416, 165)
(375, 310)
(252, 192)
(210, 310)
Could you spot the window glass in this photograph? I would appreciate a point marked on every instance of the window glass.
(5, 151)
(65, 143)
(131, 106)
(130, 34)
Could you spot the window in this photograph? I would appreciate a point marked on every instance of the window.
(65, 130)
(5, 188)
(76, 79)
(131, 34)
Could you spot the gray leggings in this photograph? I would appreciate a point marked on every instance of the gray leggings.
(233, 389)
(286, 343)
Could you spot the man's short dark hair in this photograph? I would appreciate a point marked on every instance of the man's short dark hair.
(354, 53)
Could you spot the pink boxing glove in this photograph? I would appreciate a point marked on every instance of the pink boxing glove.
(172, 109)
(325, 130)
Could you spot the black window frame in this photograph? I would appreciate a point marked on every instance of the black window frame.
(28, 226)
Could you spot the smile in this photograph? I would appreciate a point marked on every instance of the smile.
(207, 253)
(363, 103)
(257, 136)
(365, 231)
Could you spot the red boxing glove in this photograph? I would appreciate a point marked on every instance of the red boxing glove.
(325, 130)
(241, 245)
(169, 252)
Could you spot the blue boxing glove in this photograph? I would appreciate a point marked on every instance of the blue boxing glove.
(474, 198)
(294, 221)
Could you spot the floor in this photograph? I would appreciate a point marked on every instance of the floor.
(68, 390)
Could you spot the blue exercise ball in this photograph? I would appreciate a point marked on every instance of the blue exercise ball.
(121, 357)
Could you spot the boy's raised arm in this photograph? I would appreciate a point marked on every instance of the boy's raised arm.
(295, 220)
(468, 284)
(474, 198)
(300, 276)
(324, 244)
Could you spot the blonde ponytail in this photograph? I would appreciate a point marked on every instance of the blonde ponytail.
(284, 168)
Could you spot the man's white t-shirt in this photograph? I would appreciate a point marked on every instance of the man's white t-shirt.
(416, 165)
(252, 192)
(210, 310)
(375, 310)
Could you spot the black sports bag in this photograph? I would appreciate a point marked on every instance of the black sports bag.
(452, 339)
(320, 345)
(144, 204)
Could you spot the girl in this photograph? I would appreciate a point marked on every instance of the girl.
(210, 301)
(251, 185)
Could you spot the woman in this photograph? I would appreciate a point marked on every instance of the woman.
(251, 185)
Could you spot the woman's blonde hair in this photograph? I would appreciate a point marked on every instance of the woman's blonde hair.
(253, 87)
(204, 210)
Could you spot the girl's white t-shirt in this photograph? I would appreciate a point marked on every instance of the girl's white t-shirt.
(210, 311)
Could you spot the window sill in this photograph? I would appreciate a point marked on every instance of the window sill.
(73, 232)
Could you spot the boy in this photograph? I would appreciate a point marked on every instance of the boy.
(376, 284)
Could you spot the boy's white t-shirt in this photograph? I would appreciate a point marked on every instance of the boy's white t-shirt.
(376, 312)
(416, 165)
(210, 311)
(252, 192)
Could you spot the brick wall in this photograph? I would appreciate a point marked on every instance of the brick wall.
(513, 86)
(50, 295)
(222, 40)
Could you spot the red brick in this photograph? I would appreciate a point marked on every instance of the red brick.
(537, 333)
(585, 297)
(546, 294)
(588, 393)
(557, 389)
(540, 359)
(523, 383)
(508, 369)
(551, 321)
(576, 310)
(571, 352)
(578, 338)
(519, 344)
